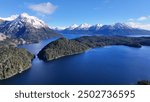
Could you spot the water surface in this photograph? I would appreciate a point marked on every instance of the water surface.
(107, 65)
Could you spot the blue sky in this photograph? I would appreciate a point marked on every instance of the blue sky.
(68, 12)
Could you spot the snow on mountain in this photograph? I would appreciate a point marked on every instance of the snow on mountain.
(9, 18)
(18, 20)
(121, 26)
(114, 29)
(28, 28)
(116, 26)
(84, 26)
(96, 27)
(22, 20)
(30, 20)
(72, 27)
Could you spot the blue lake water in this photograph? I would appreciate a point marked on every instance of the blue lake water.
(111, 65)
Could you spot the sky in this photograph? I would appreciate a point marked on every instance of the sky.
(68, 12)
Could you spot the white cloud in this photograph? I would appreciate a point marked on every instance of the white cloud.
(131, 19)
(44, 8)
(139, 25)
(143, 18)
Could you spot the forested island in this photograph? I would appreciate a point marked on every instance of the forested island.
(13, 61)
(64, 47)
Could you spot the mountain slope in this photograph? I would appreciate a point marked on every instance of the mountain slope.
(28, 28)
(116, 29)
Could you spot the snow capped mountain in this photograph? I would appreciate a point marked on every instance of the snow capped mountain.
(10, 18)
(28, 28)
(115, 29)
(121, 26)
(30, 20)
(116, 26)
(25, 18)
(72, 27)
(84, 26)
(96, 27)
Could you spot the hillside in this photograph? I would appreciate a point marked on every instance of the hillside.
(13, 61)
(60, 48)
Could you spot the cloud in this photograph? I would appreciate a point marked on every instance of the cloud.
(143, 18)
(44, 8)
(131, 19)
(139, 25)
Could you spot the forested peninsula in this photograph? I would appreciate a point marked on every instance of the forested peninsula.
(64, 47)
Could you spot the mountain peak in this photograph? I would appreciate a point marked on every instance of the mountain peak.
(24, 15)
(99, 25)
(73, 27)
(84, 26)
(121, 26)
(30, 20)
(28, 28)
(96, 27)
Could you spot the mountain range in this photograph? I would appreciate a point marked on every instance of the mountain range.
(24, 28)
(116, 29)
(28, 28)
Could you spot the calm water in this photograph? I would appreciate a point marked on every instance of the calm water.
(107, 65)
(138, 35)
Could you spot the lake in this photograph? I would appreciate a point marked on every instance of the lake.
(110, 65)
